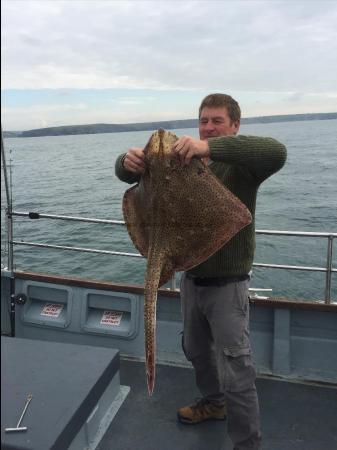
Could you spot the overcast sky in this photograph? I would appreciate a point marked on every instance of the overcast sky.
(76, 62)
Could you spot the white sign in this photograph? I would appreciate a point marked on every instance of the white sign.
(112, 318)
(52, 309)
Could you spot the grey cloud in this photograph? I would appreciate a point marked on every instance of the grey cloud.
(181, 45)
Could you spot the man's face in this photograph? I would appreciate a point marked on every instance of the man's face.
(215, 122)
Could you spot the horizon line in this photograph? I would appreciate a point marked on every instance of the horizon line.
(163, 121)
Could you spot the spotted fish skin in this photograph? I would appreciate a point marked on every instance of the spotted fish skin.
(154, 268)
(158, 156)
(177, 217)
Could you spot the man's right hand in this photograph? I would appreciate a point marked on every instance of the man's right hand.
(134, 160)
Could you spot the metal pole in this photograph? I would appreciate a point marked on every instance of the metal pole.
(328, 271)
(8, 187)
(3, 156)
(173, 286)
(77, 249)
(10, 224)
(37, 215)
(9, 208)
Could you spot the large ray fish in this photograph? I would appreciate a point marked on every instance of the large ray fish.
(177, 216)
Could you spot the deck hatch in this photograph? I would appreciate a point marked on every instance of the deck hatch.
(112, 313)
(47, 305)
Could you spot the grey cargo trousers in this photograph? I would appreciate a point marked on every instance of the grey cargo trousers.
(216, 341)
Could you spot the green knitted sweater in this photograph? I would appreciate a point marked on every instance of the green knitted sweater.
(241, 163)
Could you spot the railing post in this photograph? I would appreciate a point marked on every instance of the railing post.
(328, 270)
(9, 217)
(173, 283)
(10, 256)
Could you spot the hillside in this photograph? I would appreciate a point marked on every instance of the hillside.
(168, 125)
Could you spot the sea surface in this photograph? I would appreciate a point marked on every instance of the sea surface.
(74, 175)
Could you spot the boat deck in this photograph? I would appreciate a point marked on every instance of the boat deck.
(294, 416)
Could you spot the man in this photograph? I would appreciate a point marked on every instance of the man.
(215, 303)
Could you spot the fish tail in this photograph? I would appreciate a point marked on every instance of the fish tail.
(150, 340)
(150, 303)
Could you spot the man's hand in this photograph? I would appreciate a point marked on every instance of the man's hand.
(134, 160)
(186, 147)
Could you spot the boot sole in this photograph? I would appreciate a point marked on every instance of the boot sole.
(189, 422)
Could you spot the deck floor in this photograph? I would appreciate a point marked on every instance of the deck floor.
(294, 416)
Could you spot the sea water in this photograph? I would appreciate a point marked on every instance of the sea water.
(74, 175)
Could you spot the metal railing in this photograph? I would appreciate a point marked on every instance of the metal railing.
(329, 236)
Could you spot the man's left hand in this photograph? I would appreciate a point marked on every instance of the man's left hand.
(186, 147)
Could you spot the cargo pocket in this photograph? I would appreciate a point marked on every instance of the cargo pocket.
(234, 352)
(240, 373)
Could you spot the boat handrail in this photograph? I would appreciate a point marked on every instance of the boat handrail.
(37, 215)
(328, 269)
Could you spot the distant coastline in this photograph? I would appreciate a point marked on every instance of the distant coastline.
(168, 125)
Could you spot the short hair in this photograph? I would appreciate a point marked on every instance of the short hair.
(222, 101)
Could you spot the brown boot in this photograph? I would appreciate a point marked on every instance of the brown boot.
(202, 410)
